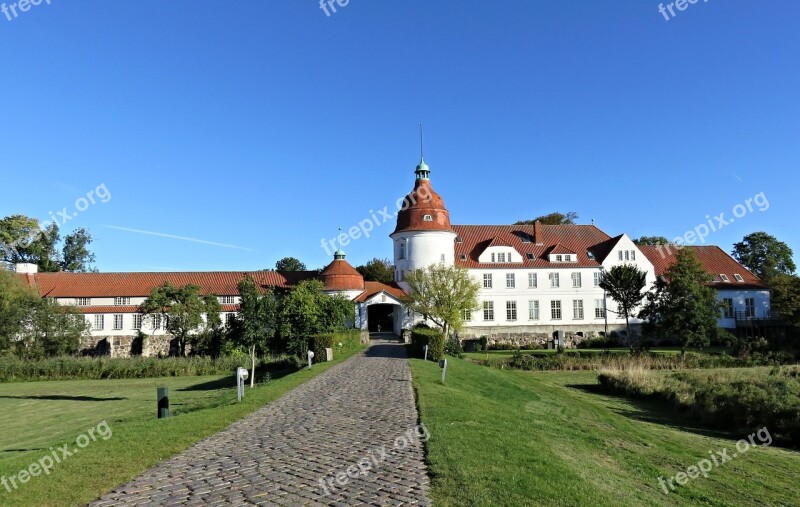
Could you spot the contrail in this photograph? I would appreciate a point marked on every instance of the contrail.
(182, 238)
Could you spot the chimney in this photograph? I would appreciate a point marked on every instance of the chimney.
(537, 232)
(25, 268)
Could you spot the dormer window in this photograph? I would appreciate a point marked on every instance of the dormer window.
(427, 218)
(530, 256)
(459, 240)
(567, 258)
(463, 257)
(738, 277)
(501, 257)
(559, 258)
(724, 277)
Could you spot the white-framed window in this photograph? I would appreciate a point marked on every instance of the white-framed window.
(156, 321)
(559, 258)
(466, 315)
(627, 255)
(402, 253)
(427, 218)
(125, 301)
(555, 310)
(533, 281)
(749, 307)
(727, 308)
(488, 310)
(117, 322)
(633, 255)
(724, 277)
(501, 257)
(511, 280)
(597, 277)
(621, 255)
(442, 259)
(554, 282)
(738, 277)
(567, 258)
(599, 309)
(229, 317)
(487, 280)
(83, 301)
(576, 279)
(137, 321)
(511, 310)
(577, 309)
(99, 322)
(227, 300)
(494, 256)
(533, 310)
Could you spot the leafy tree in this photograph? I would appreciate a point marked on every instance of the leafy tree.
(76, 256)
(651, 241)
(23, 240)
(51, 330)
(289, 264)
(786, 297)
(17, 301)
(764, 255)
(377, 270)
(183, 307)
(306, 311)
(625, 284)
(684, 304)
(442, 294)
(554, 218)
(257, 316)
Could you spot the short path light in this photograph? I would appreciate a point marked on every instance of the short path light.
(162, 396)
(426, 352)
(310, 357)
(241, 375)
(443, 366)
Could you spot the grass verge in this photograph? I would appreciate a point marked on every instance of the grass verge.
(501, 437)
(36, 416)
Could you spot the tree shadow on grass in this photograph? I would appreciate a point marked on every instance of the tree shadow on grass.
(654, 411)
(60, 397)
(270, 372)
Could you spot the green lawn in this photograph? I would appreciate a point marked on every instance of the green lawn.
(35, 416)
(501, 437)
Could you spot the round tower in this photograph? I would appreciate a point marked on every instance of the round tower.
(423, 235)
(339, 277)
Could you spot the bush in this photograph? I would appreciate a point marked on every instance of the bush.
(601, 342)
(474, 345)
(504, 346)
(433, 338)
(453, 348)
(349, 340)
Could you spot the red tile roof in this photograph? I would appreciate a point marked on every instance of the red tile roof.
(340, 275)
(560, 249)
(715, 261)
(373, 288)
(579, 239)
(61, 285)
(134, 309)
(423, 200)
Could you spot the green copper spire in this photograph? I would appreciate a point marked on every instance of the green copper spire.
(338, 255)
(422, 172)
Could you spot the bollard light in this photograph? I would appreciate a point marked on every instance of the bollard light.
(162, 395)
(241, 375)
(443, 366)
(426, 352)
(310, 357)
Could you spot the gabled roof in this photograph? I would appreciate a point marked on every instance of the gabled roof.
(559, 249)
(715, 261)
(578, 239)
(221, 283)
(373, 288)
(602, 250)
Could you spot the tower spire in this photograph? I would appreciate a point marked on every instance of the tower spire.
(422, 172)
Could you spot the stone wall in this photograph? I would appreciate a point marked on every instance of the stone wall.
(127, 346)
(539, 336)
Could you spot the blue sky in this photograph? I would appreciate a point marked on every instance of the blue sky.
(261, 127)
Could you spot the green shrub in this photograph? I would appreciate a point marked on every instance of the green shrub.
(474, 345)
(343, 341)
(433, 338)
(600, 342)
(453, 348)
(504, 346)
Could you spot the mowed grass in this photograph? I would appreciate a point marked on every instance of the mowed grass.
(505, 437)
(35, 416)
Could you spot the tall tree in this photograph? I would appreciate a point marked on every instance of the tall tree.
(625, 283)
(684, 305)
(764, 255)
(257, 314)
(555, 218)
(76, 256)
(651, 241)
(183, 307)
(23, 240)
(52, 329)
(289, 264)
(786, 297)
(17, 301)
(377, 270)
(442, 294)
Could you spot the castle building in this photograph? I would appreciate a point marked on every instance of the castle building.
(537, 281)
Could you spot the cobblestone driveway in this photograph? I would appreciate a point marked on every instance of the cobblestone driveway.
(293, 451)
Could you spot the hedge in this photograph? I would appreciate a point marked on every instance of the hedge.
(350, 340)
(433, 338)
